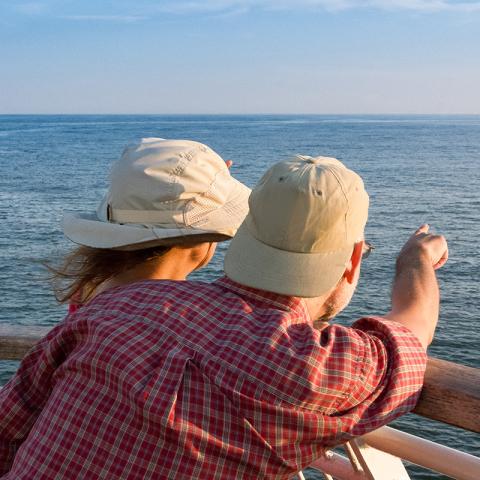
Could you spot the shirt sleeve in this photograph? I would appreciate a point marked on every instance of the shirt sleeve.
(362, 376)
(23, 397)
(317, 389)
(388, 367)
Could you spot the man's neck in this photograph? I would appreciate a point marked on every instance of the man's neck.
(317, 308)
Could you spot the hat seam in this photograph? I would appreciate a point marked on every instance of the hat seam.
(342, 187)
(203, 195)
(185, 159)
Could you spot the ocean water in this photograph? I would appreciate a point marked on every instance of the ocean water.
(416, 169)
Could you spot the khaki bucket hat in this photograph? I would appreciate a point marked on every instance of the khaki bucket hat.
(163, 192)
(305, 216)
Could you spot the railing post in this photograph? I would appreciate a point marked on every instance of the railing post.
(377, 465)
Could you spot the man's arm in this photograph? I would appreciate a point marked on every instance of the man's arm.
(415, 295)
(391, 356)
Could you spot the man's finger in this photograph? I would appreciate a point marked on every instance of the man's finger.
(423, 229)
(442, 260)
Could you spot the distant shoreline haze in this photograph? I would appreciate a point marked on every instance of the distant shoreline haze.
(345, 114)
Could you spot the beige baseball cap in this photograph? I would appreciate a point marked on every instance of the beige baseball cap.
(161, 193)
(306, 214)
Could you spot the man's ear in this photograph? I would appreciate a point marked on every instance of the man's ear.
(354, 263)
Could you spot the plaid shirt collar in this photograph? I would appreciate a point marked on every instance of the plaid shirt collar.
(283, 302)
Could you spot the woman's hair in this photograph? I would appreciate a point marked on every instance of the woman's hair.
(85, 268)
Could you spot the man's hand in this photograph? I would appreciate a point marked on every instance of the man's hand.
(415, 295)
(424, 246)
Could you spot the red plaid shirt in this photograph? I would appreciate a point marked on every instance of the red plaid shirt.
(164, 379)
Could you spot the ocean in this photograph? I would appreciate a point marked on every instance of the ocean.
(416, 169)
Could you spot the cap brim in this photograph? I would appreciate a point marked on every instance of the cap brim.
(255, 264)
(88, 230)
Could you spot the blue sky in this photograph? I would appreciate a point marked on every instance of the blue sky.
(240, 56)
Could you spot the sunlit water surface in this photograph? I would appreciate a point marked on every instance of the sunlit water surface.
(416, 169)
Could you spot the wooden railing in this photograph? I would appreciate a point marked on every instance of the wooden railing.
(15, 342)
(451, 394)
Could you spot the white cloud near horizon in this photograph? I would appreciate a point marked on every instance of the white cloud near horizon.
(185, 7)
(129, 11)
(105, 18)
(32, 8)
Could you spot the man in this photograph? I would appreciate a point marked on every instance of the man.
(231, 379)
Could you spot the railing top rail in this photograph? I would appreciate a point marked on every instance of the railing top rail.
(376, 456)
(451, 392)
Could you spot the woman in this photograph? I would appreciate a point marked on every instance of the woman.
(168, 204)
(169, 201)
